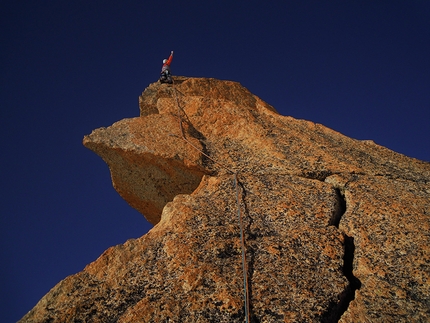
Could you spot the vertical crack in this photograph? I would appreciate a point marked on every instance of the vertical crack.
(348, 259)
(339, 208)
(337, 309)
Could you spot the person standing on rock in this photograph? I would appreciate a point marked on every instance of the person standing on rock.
(166, 77)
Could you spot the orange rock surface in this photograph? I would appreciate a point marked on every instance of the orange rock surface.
(336, 229)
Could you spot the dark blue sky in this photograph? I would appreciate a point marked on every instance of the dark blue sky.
(68, 67)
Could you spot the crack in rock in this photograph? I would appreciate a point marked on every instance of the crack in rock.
(336, 311)
(339, 208)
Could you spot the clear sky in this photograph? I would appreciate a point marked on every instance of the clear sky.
(67, 67)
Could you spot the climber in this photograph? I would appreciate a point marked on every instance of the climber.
(165, 76)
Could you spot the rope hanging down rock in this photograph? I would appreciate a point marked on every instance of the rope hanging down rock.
(239, 214)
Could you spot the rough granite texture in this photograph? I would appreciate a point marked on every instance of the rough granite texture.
(336, 229)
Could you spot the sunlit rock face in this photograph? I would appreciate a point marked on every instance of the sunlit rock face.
(336, 229)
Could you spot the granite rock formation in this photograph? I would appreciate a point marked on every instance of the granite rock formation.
(336, 229)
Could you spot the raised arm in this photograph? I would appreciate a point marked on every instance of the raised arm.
(170, 58)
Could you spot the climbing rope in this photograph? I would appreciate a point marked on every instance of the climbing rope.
(189, 142)
(242, 244)
(239, 214)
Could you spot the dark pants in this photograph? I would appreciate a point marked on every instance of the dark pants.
(166, 78)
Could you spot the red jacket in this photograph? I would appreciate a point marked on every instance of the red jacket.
(166, 66)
